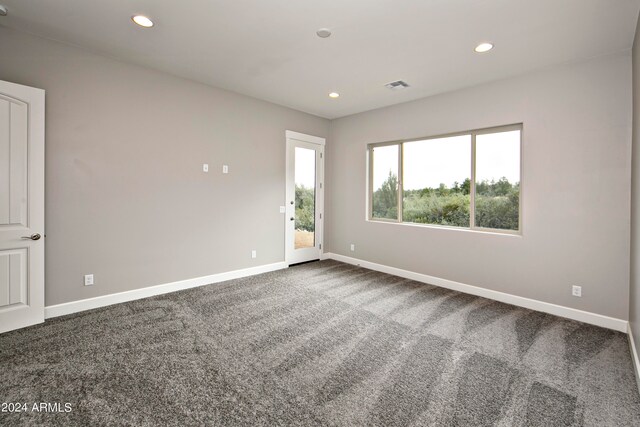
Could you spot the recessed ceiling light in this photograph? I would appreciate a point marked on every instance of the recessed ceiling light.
(334, 95)
(484, 47)
(323, 33)
(142, 20)
(3, 10)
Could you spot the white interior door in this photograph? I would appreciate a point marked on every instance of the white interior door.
(21, 206)
(305, 197)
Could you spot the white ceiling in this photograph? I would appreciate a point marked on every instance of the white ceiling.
(268, 49)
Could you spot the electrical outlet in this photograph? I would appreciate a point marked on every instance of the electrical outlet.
(283, 209)
(205, 167)
(254, 254)
(225, 169)
(353, 247)
(88, 279)
(576, 291)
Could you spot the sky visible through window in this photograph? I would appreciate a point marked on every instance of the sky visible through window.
(305, 163)
(498, 156)
(433, 162)
(437, 161)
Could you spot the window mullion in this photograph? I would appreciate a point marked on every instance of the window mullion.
(370, 201)
(472, 184)
(400, 181)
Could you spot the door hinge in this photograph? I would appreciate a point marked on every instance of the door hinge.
(320, 155)
(320, 216)
(320, 245)
(320, 185)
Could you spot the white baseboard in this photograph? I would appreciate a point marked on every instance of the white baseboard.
(634, 357)
(558, 310)
(102, 301)
(545, 307)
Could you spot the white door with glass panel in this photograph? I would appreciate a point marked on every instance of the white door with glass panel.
(305, 197)
(21, 206)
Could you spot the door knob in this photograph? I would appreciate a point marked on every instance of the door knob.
(34, 236)
(292, 219)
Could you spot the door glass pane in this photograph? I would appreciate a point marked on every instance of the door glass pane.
(436, 181)
(385, 182)
(498, 180)
(305, 164)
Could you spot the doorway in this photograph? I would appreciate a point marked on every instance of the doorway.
(304, 197)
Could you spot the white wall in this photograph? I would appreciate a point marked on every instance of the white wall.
(634, 295)
(126, 198)
(575, 193)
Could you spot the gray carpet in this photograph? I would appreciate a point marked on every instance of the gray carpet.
(319, 344)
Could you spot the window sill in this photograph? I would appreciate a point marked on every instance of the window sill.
(508, 233)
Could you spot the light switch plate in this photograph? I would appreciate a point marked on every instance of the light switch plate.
(225, 169)
(205, 168)
(254, 254)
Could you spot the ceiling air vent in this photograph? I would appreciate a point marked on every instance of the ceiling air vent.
(397, 85)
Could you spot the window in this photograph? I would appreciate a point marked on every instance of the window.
(385, 182)
(469, 180)
(436, 181)
(497, 201)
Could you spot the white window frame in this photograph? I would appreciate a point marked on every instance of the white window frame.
(472, 189)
